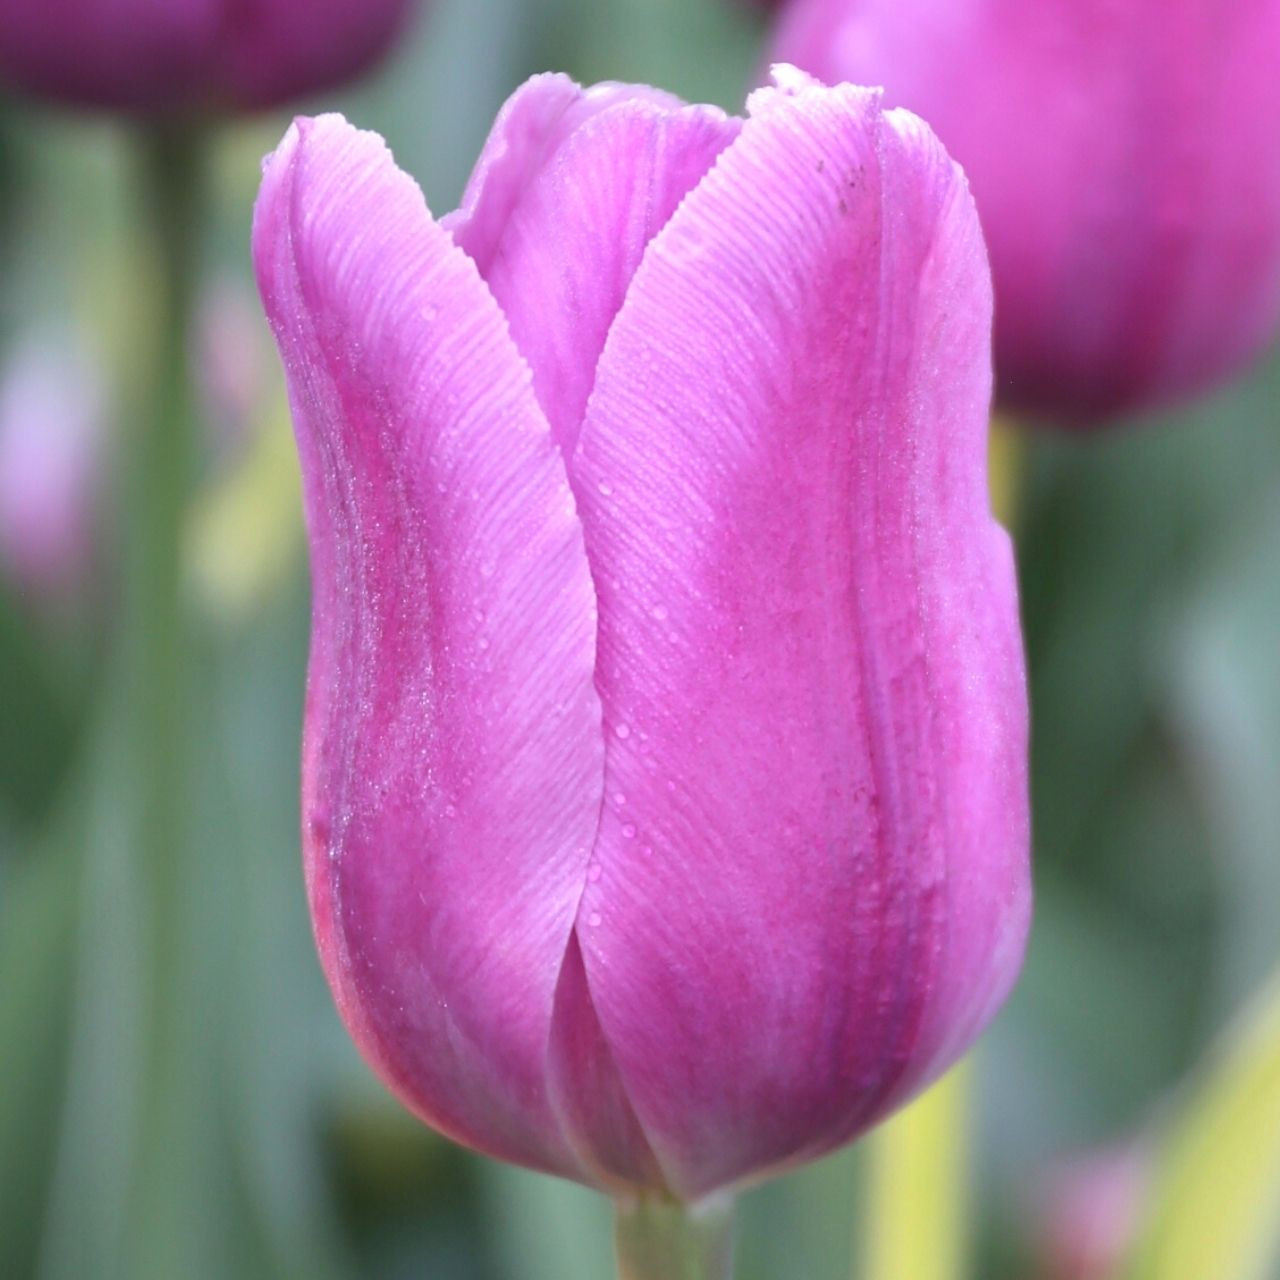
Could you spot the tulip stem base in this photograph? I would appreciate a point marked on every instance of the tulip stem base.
(659, 1238)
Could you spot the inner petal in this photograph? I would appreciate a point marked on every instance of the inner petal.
(559, 241)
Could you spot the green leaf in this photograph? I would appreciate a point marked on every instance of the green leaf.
(1225, 703)
(1215, 1206)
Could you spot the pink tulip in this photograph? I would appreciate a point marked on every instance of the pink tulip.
(51, 427)
(160, 55)
(664, 795)
(1123, 156)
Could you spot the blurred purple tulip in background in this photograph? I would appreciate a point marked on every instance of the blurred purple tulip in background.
(1123, 157)
(52, 420)
(164, 55)
(664, 772)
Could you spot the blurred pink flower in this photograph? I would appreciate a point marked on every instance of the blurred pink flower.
(161, 55)
(1090, 1212)
(664, 801)
(1123, 156)
(51, 421)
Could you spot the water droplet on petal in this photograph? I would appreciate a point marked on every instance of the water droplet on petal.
(594, 919)
(623, 731)
(628, 830)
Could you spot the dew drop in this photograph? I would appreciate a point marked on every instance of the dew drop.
(628, 830)
(594, 919)
(605, 487)
(623, 731)
(659, 612)
(619, 798)
(451, 811)
(593, 872)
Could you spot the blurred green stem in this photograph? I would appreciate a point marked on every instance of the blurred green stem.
(659, 1238)
(158, 461)
(1006, 462)
(157, 683)
(917, 1205)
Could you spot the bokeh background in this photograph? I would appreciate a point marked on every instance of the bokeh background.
(1150, 562)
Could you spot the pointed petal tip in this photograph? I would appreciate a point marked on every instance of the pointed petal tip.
(790, 79)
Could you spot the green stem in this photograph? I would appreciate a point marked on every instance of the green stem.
(158, 682)
(659, 1238)
(128, 1163)
(1006, 462)
(158, 461)
(917, 1198)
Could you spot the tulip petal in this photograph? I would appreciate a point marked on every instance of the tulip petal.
(452, 760)
(541, 114)
(573, 185)
(812, 864)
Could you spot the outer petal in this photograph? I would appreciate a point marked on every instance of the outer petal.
(573, 185)
(1123, 159)
(452, 758)
(812, 869)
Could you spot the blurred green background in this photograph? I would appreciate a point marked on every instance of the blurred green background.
(1150, 562)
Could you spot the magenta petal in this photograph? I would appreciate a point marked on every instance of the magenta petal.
(572, 187)
(452, 760)
(812, 884)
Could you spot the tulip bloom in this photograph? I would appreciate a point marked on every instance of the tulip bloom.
(664, 796)
(161, 55)
(51, 429)
(1123, 156)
